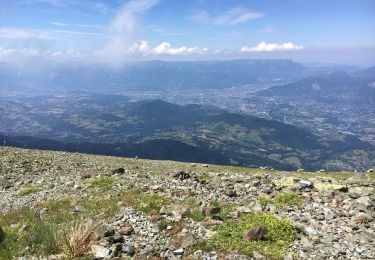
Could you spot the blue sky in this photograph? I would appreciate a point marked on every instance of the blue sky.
(337, 31)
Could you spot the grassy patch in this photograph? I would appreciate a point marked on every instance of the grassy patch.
(280, 235)
(103, 184)
(282, 199)
(58, 231)
(148, 203)
(288, 199)
(27, 190)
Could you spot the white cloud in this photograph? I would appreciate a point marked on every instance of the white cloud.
(232, 17)
(122, 29)
(165, 48)
(270, 47)
(12, 54)
(24, 33)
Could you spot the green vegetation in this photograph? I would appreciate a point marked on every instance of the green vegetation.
(148, 203)
(27, 190)
(280, 235)
(163, 224)
(196, 214)
(282, 199)
(103, 184)
(60, 231)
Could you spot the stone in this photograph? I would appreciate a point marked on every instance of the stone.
(181, 175)
(119, 171)
(343, 189)
(354, 195)
(364, 200)
(116, 238)
(7, 185)
(255, 234)
(104, 231)
(128, 249)
(179, 251)
(244, 209)
(305, 184)
(231, 193)
(126, 230)
(211, 210)
(100, 251)
(362, 218)
(310, 231)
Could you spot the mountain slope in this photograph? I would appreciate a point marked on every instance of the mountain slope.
(330, 87)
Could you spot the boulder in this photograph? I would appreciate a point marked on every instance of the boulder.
(305, 184)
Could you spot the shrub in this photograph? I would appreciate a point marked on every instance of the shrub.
(162, 224)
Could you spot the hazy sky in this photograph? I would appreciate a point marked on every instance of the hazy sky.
(338, 31)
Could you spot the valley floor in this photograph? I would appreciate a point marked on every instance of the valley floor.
(61, 205)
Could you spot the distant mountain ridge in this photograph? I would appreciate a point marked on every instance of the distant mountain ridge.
(151, 75)
(157, 129)
(336, 85)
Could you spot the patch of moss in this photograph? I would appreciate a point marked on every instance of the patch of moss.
(288, 199)
(280, 235)
(282, 199)
(27, 190)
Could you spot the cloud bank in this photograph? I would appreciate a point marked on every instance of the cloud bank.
(165, 48)
(122, 29)
(271, 47)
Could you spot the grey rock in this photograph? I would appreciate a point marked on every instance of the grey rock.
(231, 193)
(310, 231)
(305, 184)
(128, 249)
(100, 251)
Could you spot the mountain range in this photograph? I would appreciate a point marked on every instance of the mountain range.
(154, 75)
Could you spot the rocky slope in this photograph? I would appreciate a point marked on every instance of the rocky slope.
(109, 207)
